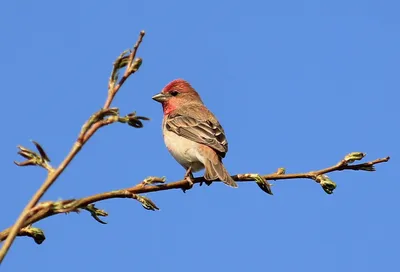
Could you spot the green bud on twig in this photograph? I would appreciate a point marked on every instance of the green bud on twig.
(153, 180)
(73, 205)
(65, 206)
(327, 184)
(95, 213)
(133, 120)
(41, 151)
(36, 233)
(146, 202)
(34, 158)
(262, 183)
(136, 65)
(354, 156)
(121, 61)
(98, 116)
(369, 168)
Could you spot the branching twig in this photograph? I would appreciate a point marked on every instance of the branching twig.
(101, 118)
(132, 66)
(34, 212)
(154, 184)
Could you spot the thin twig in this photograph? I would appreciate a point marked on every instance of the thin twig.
(44, 210)
(54, 174)
(127, 73)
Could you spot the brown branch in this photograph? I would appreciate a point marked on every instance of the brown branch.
(46, 209)
(34, 212)
(89, 128)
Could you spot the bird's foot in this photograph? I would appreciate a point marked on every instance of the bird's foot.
(208, 183)
(189, 179)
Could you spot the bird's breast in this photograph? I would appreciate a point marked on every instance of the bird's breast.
(183, 150)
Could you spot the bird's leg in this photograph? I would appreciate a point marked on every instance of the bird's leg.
(189, 178)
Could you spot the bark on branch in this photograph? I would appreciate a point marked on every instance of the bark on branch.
(154, 184)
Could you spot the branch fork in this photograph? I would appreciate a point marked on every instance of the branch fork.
(101, 118)
(35, 211)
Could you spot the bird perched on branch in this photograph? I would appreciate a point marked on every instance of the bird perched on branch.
(192, 134)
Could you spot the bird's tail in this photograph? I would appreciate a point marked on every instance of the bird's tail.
(218, 170)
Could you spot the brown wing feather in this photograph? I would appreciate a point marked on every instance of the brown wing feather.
(201, 131)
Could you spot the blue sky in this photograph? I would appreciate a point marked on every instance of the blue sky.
(296, 84)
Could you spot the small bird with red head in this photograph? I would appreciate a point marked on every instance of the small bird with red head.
(192, 134)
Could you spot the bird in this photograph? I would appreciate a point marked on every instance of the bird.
(192, 134)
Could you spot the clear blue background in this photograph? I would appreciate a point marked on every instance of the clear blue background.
(296, 84)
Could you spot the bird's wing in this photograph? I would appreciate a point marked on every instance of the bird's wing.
(205, 132)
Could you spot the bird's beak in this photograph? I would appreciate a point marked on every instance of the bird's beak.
(160, 97)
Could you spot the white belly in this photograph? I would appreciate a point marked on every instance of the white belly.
(183, 150)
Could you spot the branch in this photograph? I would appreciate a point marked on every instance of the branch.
(34, 212)
(132, 64)
(100, 119)
(154, 184)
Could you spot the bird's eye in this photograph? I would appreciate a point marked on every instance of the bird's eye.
(174, 93)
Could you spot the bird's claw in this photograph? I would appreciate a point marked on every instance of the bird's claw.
(189, 178)
(189, 184)
(208, 183)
